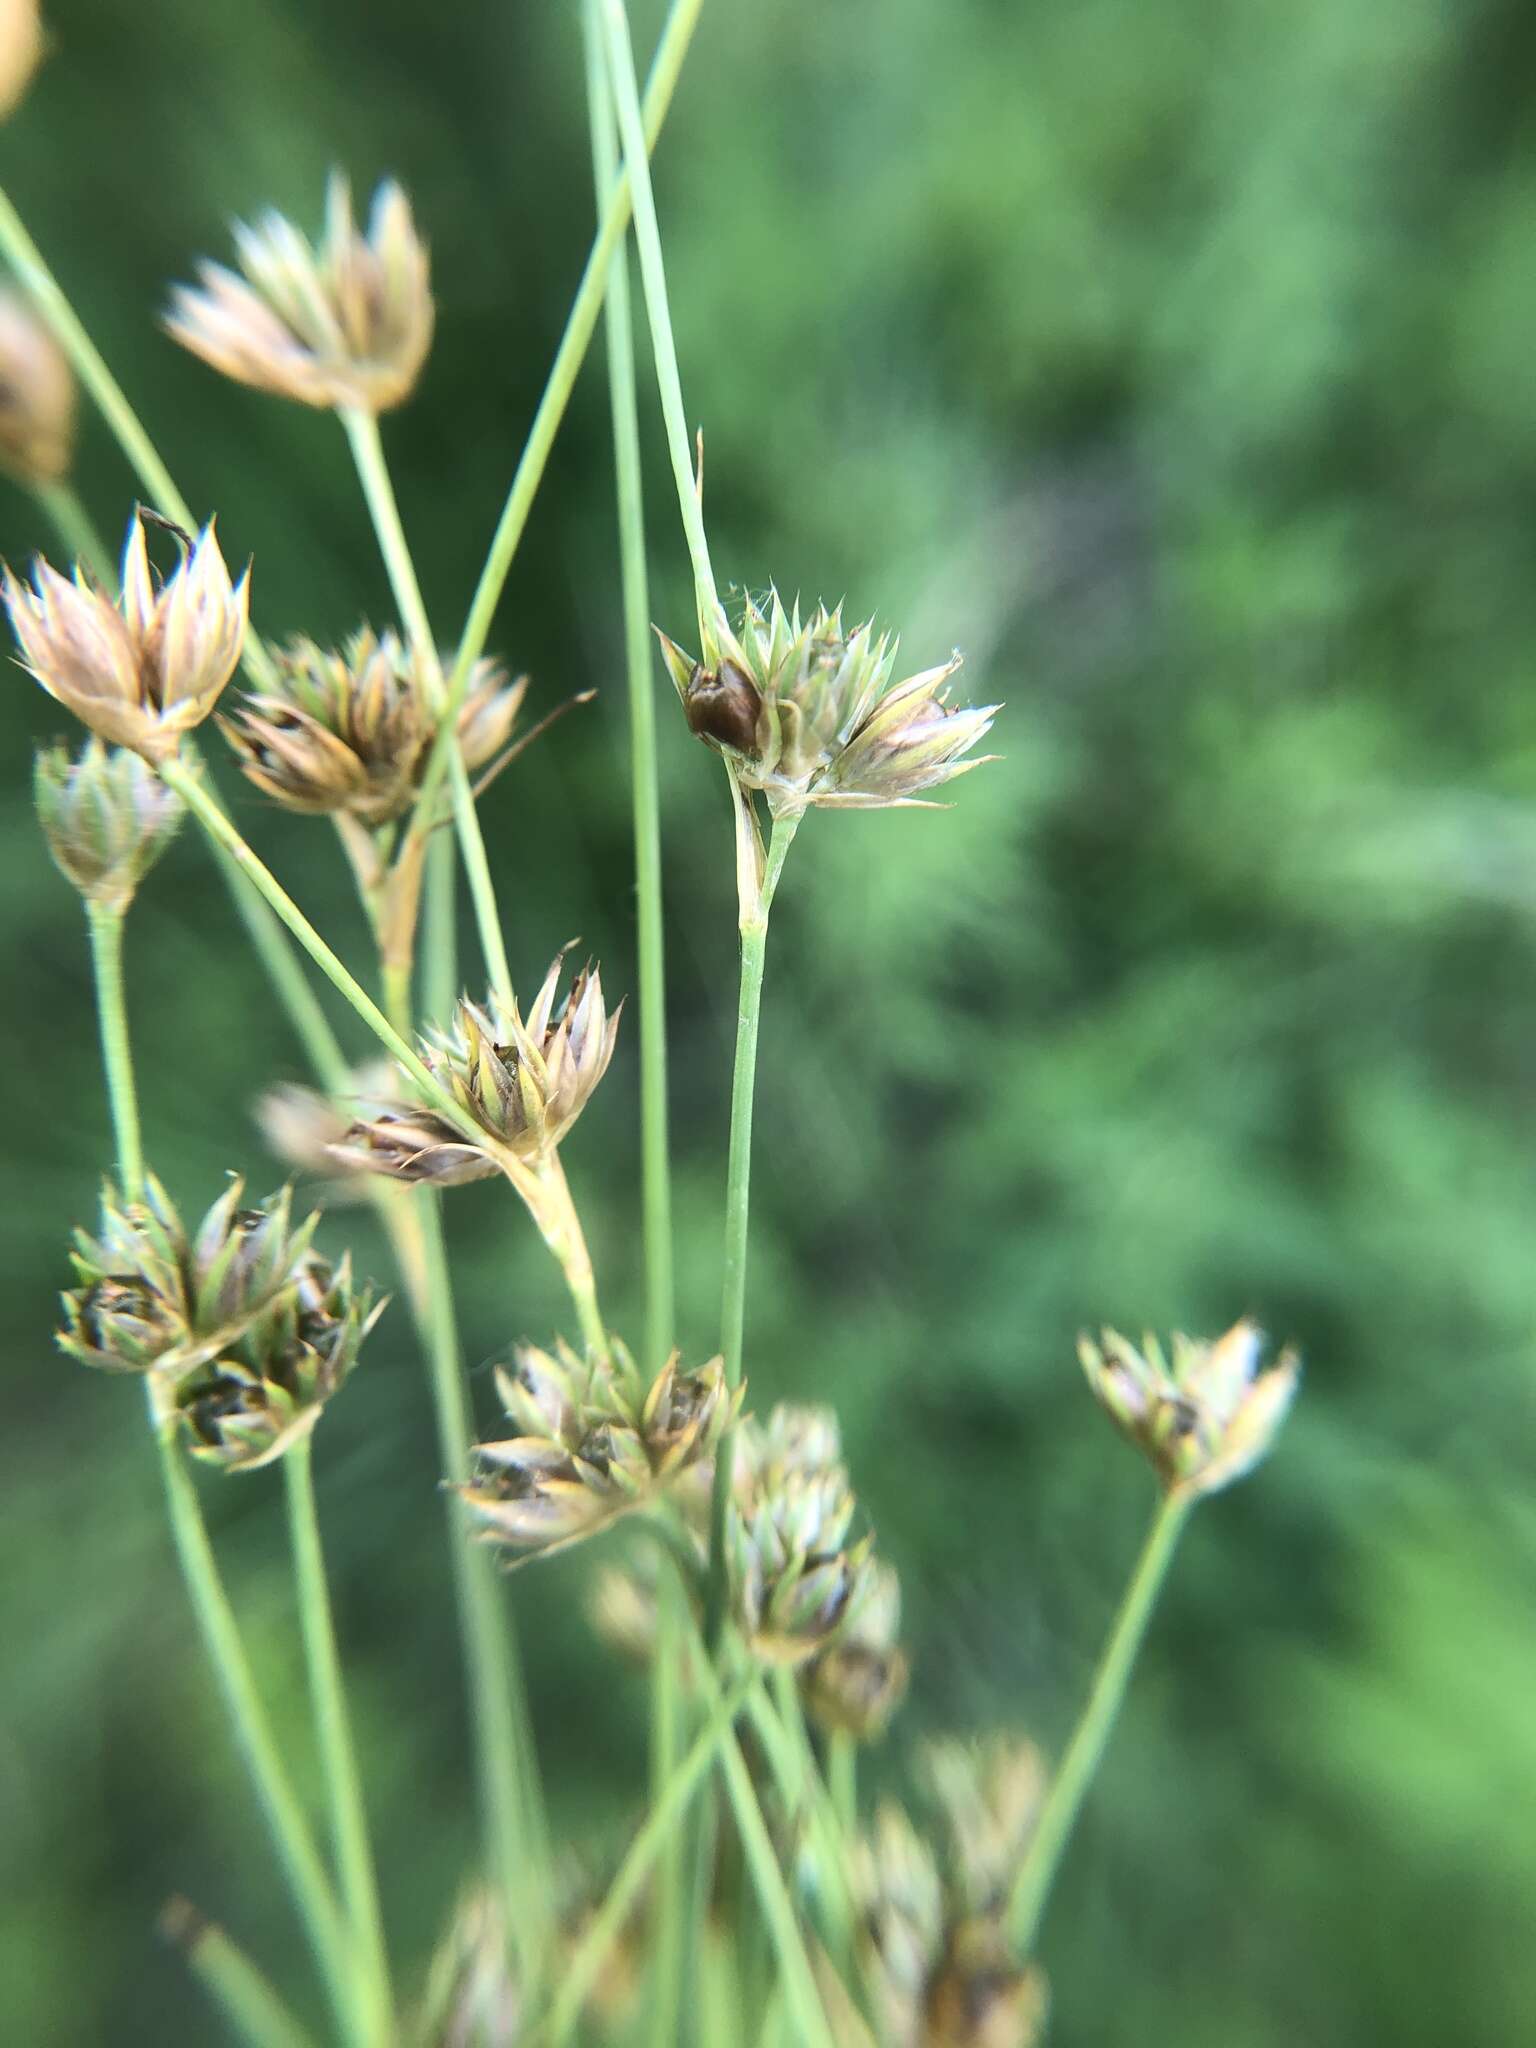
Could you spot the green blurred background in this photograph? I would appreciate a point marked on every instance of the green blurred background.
(1175, 362)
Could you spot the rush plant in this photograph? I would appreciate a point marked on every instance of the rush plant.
(740, 1568)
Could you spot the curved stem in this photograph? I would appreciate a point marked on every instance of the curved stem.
(343, 1781)
(626, 94)
(579, 327)
(1090, 1739)
(738, 1187)
(240, 1991)
(655, 1172)
(205, 809)
(517, 1843)
(286, 1824)
(116, 1054)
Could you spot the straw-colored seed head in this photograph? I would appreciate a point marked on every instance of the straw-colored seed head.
(107, 818)
(142, 672)
(21, 49)
(593, 1442)
(351, 730)
(808, 713)
(345, 325)
(37, 396)
(1205, 1415)
(855, 1685)
(153, 1297)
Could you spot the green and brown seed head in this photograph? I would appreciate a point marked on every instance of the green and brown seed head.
(142, 672)
(522, 1080)
(809, 714)
(152, 1297)
(351, 730)
(37, 393)
(107, 818)
(855, 1685)
(798, 1574)
(251, 1403)
(1203, 1414)
(592, 1442)
(346, 324)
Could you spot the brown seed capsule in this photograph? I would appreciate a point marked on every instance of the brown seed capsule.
(723, 706)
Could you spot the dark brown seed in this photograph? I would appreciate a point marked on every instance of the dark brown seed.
(723, 707)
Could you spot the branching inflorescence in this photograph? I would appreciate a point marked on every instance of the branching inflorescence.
(739, 1565)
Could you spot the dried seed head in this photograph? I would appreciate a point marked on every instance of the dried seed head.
(593, 1443)
(524, 1081)
(107, 818)
(351, 731)
(809, 713)
(21, 48)
(37, 394)
(153, 1298)
(249, 1405)
(931, 1920)
(345, 325)
(1203, 1417)
(856, 1684)
(798, 1576)
(143, 673)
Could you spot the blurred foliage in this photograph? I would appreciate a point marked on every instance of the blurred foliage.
(1174, 362)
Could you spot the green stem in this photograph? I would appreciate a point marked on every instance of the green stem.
(843, 1780)
(240, 1991)
(1090, 1739)
(290, 1833)
(580, 325)
(42, 287)
(667, 1808)
(349, 1819)
(517, 1842)
(738, 1185)
(373, 473)
(116, 1055)
(73, 524)
(655, 1171)
(176, 775)
(626, 93)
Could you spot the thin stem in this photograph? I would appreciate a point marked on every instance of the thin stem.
(75, 528)
(344, 1789)
(517, 1844)
(289, 1830)
(580, 324)
(42, 287)
(667, 1808)
(1090, 1739)
(373, 473)
(240, 1991)
(843, 1780)
(547, 1194)
(219, 828)
(116, 1056)
(738, 1185)
(626, 93)
(655, 1170)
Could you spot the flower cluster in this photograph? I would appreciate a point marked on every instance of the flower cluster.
(345, 325)
(107, 818)
(143, 673)
(798, 1574)
(352, 730)
(808, 713)
(1205, 1415)
(522, 1081)
(244, 1330)
(593, 1442)
(37, 396)
(860, 1679)
(931, 1912)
